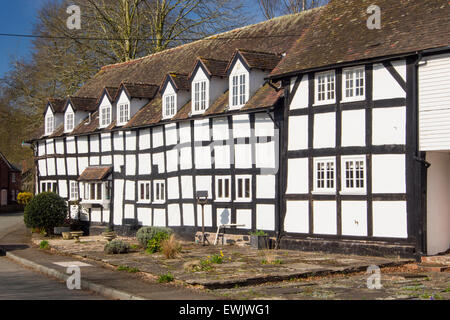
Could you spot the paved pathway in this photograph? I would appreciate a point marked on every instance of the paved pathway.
(19, 283)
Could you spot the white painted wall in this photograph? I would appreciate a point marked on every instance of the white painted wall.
(301, 97)
(438, 202)
(388, 173)
(297, 217)
(353, 128)
(434, 103)
(384, 85)
(325, 217)
(389, 126)
(324, 130)
(390, 219)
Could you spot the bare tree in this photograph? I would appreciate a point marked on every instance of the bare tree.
(273, 8)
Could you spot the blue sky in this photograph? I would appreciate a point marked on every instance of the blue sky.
(17, 16)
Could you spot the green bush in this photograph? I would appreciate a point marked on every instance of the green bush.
(154, 244)
(44, 245)
(145, 234)
(117, 247)
(45, 211)
(165, 278)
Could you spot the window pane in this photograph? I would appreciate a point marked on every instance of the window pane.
(147, 191)
(99, 191)
(220, 188)
(240, 193)
(247, 188)
(92, 187)
(142, 191)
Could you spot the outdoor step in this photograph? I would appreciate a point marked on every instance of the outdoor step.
(441, 259)
(429, 267)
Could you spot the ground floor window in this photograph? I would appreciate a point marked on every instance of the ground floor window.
(144, 191)
(73, 190)
(47, 186)
(159, 191)
(353, 173)
(243, 188)
(223, 188)
(324, 175)
(97, 191)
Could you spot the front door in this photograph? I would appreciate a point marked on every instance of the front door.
(4, 197)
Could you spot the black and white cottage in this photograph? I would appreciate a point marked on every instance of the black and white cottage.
(323, 133)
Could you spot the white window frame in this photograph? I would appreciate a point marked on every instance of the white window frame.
(221, 186)
(351, 84)
(200, 96)
(13, 177)
(243, 198)
(74, 191)
(69, 121)
(326, 86)
(105, 117)
(49, 124)
(159, 194)
(355, 175)
(47, 184)
(169, 105)
(123, 113)
(238, 90)
(147, 187)
(325, 189)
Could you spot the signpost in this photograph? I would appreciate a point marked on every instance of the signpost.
(202, 199)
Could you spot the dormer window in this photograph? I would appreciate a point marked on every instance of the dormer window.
(124, 113)
(69, 121)
(105, 116)
(169, 106)
(199, 96)
(239, 97)
(49, 124)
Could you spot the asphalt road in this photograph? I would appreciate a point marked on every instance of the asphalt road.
(20, 283)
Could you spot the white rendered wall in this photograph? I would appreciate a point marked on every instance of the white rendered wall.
(438, 202)
(297, 217)
(301, 97)
(384, 84)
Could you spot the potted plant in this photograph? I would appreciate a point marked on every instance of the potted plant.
(259, 240)
(109, 234)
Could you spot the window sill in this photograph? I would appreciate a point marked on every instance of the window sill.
(144, 202)
(353, 100)
(222, 200)
(324, 103)
(353, 193)
(159, 202)
(243, 200)
(324, 192)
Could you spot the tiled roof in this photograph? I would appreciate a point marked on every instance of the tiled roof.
(181, 81)
(260, 60)
(95, 173)
(214, 67)
(84, 104)
(140, 90)
(57, 105)
(340, 33)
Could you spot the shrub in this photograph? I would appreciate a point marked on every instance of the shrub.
(165, 278)
(258, 233)
(127, 269)
(154, 244)
(146, 233)
(45, 211)
(170, 247)
(116, 247)
(24, 198)
(44, 245)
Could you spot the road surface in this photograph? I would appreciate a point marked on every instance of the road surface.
(20, 283)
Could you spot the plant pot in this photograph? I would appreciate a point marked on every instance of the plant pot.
(67, 235)
(60, 230)
(259, 242)
(109, 236)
